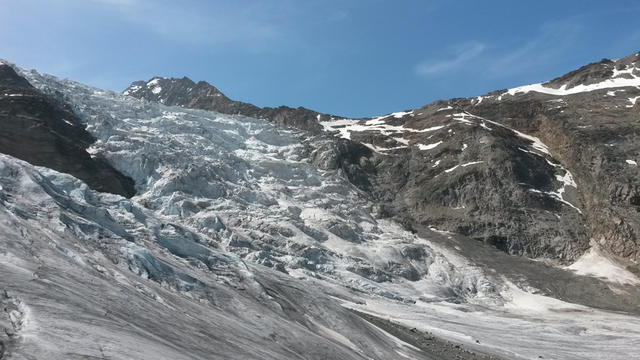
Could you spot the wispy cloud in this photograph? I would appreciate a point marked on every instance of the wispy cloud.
(459, 55)
(554, 39)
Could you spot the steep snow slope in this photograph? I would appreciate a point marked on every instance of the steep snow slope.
(236, 246)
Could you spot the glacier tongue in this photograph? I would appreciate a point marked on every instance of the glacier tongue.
(86, 274)
(181, 270)
(248, 187)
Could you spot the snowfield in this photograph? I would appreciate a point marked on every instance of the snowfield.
(237, 247)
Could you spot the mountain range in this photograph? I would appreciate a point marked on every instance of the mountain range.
(171, 222)
(525, 156)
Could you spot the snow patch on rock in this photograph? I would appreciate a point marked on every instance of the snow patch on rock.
(596, 263)
(616, 81)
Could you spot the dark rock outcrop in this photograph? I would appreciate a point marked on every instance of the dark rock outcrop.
(42, 131)
(202, 95)
(595, 135)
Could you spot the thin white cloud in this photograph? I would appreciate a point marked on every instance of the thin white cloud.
(461, 54)
(553, 40)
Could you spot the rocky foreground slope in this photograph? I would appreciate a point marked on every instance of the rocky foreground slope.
(543, 170)
(249, 240)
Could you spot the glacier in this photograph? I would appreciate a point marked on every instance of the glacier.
(236, 246)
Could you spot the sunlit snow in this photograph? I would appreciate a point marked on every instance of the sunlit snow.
(616, 81)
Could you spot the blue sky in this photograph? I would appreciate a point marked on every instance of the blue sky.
(349, 57)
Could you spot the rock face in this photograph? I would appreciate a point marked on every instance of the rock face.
(43, 131)
(186, 93)
(593, 130)
(543, 170)
(471, 175)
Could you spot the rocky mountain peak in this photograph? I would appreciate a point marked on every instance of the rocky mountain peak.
(627, 68)
(202, 95)
(165, 90)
